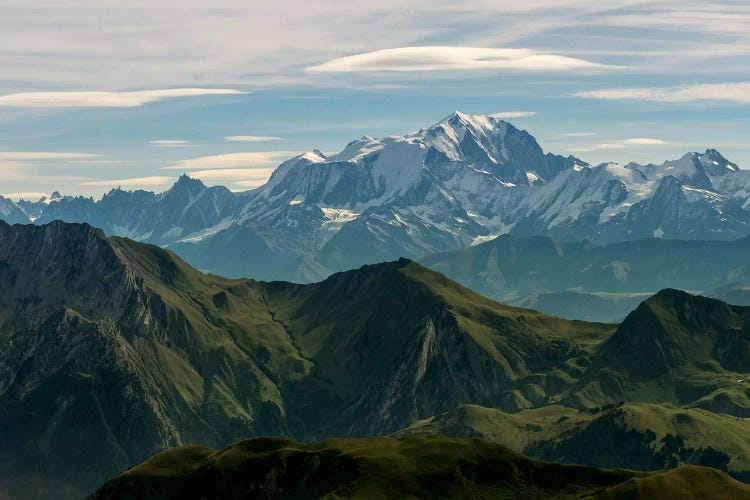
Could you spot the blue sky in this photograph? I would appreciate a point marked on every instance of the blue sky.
(95, 95)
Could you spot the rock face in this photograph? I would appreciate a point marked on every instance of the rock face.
(463, 180)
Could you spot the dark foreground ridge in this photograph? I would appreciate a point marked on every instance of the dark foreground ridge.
(414, 467)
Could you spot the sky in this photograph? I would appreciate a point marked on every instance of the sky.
(101, 94)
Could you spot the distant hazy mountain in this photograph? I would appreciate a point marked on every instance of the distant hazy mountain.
(11, 213)
(463, 180)
(583, 280)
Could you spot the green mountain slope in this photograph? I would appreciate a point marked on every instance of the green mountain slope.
(641, 436)
(415, 467)
(395, 342)
(115, 350)
(674, 348)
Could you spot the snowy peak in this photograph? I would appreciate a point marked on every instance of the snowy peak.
(715, 164)
(477, 136)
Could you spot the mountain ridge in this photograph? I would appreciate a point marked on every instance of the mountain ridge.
(145, 352)
(461, 181)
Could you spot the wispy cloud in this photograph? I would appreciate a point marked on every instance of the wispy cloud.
(169, 143)
(578, 134)
(444, 58)
(43, 155)
(644, 141)
(99, 162)
(505, 115)
(622, 144)
(251, 138)
(152, 181)
(256, 159)
(24, 196)
(737, 92)
(104, 99)
(240, 177)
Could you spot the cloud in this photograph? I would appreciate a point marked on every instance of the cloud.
(513, 114)
(43, 155)
(578, 134)
(251, 138)
(234, 160)
(24, 196)
(132, 182)
(643, 141)
(441, 58)
(104, 99)
(100, 162)
(169, 143)
(242, 177)
(736, 92)
(251, 184)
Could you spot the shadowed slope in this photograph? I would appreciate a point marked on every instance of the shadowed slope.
(416, 467)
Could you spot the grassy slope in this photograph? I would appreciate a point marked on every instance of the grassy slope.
(539, 430)
(399, 334)
(414, 467)
(686, 483)
(691, 350)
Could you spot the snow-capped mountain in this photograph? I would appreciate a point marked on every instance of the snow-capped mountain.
(464, 180)
(11, 213)
(187, 209)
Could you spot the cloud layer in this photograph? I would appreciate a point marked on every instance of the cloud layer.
(43, 155)
(737, 92)
(135, 182)
(251, 138)
(104, 99)
(234, 160)
(445, 58)
(507, 115)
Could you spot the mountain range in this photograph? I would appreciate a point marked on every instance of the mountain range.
(116, 350)
(459, 182)
(583, 280)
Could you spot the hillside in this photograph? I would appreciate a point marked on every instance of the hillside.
(674, 348)
(642, 436)
(415, 467)
(117, 350)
